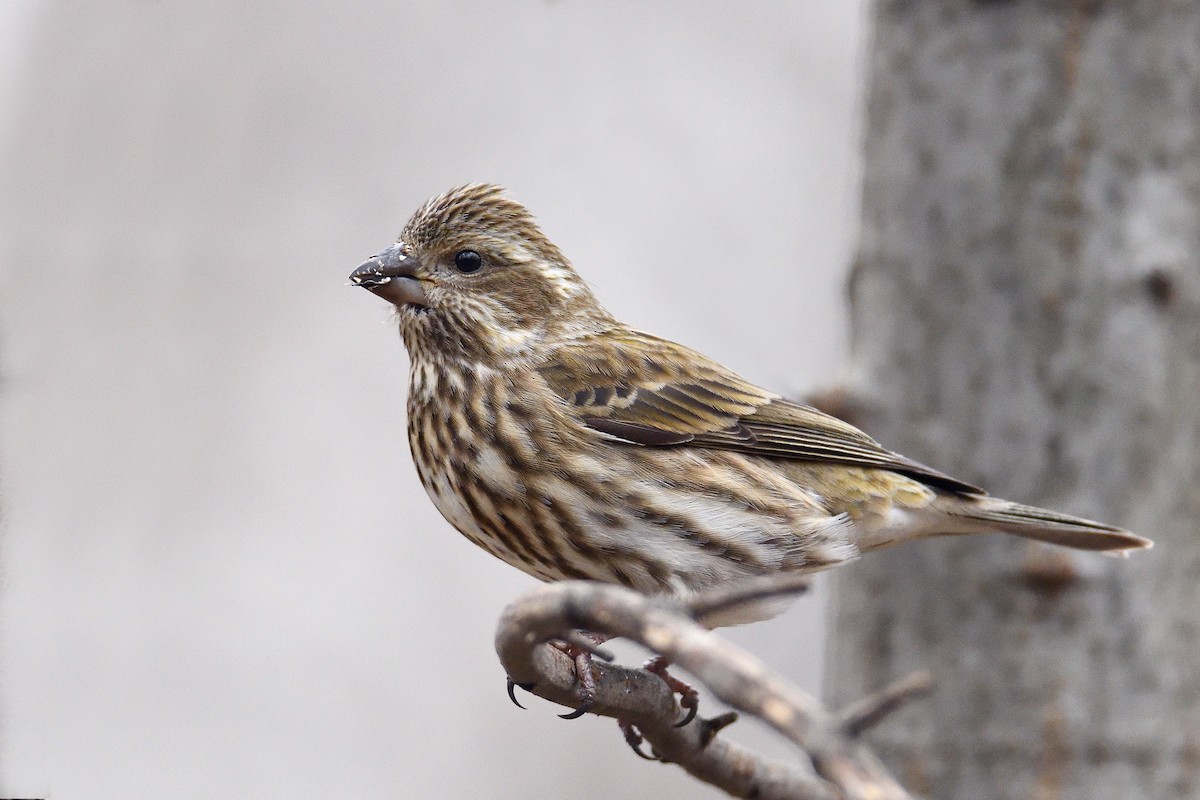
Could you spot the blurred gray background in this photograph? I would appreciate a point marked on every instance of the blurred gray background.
(219, 573)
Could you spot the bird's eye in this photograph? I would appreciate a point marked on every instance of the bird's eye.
(468, 261)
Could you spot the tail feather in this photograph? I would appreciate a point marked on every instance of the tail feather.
(1030, 522)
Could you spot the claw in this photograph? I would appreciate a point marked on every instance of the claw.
(579, 712)
(512, 695)
(689, 698)
(634, 739)
(690, 702)
(585, 684)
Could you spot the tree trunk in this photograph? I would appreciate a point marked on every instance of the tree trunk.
(1026, 316)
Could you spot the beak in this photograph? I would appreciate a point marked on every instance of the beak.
(392, 275)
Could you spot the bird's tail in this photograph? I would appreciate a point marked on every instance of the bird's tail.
(982, 514)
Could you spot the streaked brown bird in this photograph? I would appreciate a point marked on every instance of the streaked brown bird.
(573, 446)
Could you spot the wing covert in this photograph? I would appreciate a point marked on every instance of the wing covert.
(652, 392)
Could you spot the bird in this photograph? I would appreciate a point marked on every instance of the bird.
(573, 446)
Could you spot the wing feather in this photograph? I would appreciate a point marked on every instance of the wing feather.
(649, 391)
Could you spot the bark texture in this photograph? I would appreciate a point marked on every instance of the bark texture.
(836, 766)
(1026, 316)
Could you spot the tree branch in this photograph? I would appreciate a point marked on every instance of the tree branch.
(840, 767)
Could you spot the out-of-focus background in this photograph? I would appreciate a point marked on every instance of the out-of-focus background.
(218, 572)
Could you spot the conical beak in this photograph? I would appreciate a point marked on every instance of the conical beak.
(392, 274)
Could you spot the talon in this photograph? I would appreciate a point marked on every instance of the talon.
(585, 683)
(634, 739)
(689, 698)
(577, 713)
(585, 680)
(512, 695)
(690, 702)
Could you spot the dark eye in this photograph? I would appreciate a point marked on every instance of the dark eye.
(468, 261)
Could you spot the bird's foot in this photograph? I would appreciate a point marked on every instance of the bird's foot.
(633, 738)
(689, 698)
(581, 646)
(709, 728)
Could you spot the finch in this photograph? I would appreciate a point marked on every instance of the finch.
(572, 446)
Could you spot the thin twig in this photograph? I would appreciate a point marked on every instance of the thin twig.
(723, 601)
(864, 714)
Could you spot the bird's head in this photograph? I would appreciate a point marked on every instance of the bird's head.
(472, 276)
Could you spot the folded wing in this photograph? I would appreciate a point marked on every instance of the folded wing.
(648, 391)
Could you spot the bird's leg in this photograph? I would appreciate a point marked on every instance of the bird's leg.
(689, 698)
(580, 645)
(585, 683)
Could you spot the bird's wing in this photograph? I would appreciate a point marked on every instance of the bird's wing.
(649, 391)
